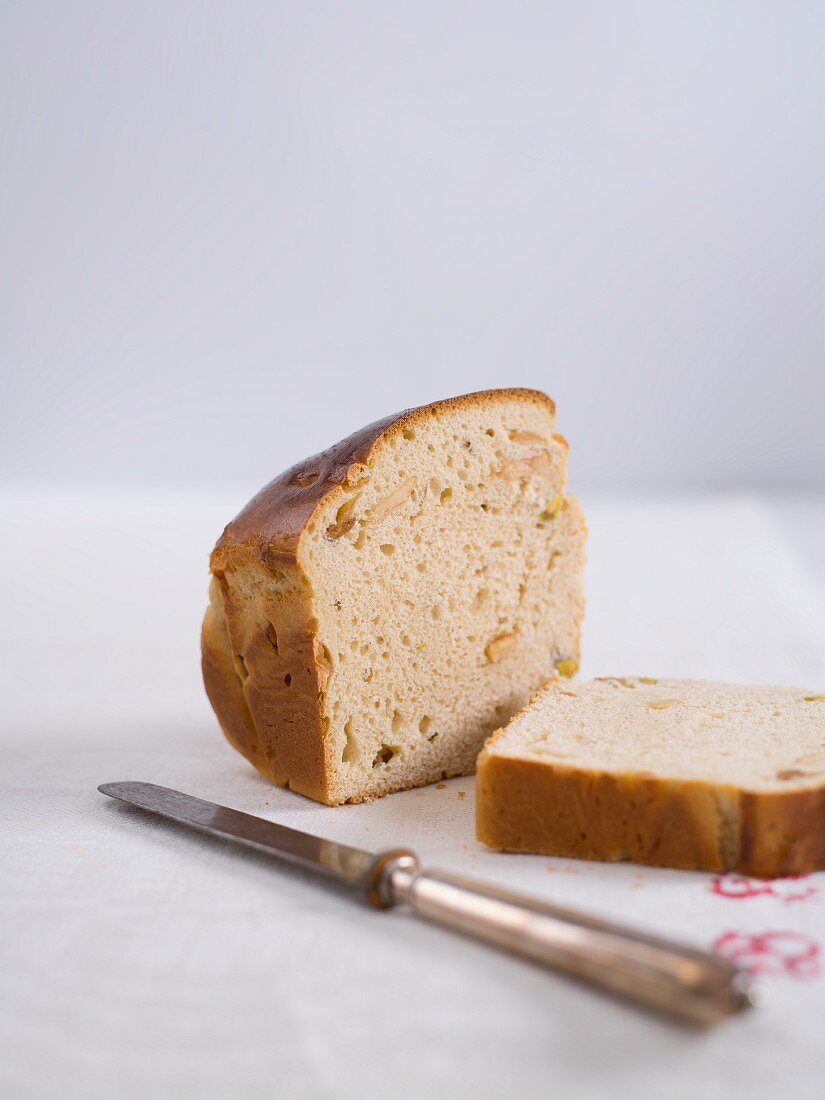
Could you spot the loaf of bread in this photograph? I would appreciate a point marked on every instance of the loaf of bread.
(379, 609)
(676, 773)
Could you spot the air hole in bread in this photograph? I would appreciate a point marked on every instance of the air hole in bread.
(384, 755)
(387, 548)
(425, 723)
(352, 752)
(397, 721)
(288, 679)
(272, 636)
(445, 495)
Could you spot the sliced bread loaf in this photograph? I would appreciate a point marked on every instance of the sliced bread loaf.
(377, 610)
(677, 773)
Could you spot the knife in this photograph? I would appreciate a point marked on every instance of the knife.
(659, 974)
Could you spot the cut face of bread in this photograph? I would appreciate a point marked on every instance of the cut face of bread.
(379, 609)
(678, 773)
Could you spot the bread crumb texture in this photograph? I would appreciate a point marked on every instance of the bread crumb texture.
(674, 772)
(380, 609)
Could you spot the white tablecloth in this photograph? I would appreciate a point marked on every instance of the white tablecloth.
(141, 960)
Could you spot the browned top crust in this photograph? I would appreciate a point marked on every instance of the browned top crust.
(270, 526)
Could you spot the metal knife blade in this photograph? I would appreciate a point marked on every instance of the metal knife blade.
(350, 867)
(657, 973)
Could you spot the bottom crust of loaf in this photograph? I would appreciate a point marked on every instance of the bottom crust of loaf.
(556, 810)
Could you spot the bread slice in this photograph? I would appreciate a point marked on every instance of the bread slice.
(675, 773)
(377, 610)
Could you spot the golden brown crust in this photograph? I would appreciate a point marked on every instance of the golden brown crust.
(224, 685)
(535, 806)
(271, 524)
(527, 806)
(782, 833)
(278, 678)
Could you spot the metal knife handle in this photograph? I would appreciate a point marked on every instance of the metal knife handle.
(657, 973)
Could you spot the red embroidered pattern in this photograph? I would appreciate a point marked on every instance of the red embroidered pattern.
(785, 889)
(791, 953)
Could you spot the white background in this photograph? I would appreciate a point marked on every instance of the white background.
(232, 233)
